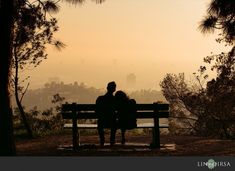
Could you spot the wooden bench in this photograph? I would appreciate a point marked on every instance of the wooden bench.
(75, 112)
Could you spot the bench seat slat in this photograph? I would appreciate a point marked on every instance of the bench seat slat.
(78, 107)
(92, 107)
(93, 115)
(92, 126)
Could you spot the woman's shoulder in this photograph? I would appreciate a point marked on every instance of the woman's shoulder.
(132, 101)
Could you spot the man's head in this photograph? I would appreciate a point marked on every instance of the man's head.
(111, 87)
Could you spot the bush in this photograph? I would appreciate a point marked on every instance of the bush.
(205, 111)
(42, 123)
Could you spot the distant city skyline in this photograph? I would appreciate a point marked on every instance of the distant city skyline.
(108, 41)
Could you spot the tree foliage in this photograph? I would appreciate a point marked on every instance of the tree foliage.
(212, 104)
(207, 109)
(43, 122)
(34, 28)
(220, 16)
(178, 93)
(82, 1)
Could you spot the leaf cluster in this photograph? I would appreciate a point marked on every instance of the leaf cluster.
(34, 28)
(220, 16)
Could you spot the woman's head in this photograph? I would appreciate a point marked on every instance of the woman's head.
(121, 95)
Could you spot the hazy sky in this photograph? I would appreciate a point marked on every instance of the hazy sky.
(109, 41)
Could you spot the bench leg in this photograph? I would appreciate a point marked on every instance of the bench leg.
(75, 135)
(156, 134)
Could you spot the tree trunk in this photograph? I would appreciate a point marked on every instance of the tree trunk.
(23, 117)
(7, 144)
(18, 102)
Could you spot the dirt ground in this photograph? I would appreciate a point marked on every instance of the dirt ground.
(137, 145)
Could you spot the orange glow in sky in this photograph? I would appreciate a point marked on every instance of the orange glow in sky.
(108, 41)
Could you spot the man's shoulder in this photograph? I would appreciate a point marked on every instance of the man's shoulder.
(100, 98)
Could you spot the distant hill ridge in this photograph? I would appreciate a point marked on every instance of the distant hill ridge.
(79, 93)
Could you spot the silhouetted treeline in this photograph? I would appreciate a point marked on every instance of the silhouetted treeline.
(79, 93)
(147, 96)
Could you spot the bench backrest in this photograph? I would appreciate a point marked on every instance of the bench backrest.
(87, 111)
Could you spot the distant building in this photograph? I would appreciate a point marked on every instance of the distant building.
(54, 80)
(131, 80)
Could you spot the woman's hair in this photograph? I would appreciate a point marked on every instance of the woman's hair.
(121, 95)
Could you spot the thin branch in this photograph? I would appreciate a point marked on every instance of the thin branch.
(199, 81)
(177, 117)
(188, 122)
(24, 92)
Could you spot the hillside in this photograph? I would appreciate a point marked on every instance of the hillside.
(79, 93)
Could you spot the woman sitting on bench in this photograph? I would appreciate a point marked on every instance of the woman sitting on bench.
(126, 113)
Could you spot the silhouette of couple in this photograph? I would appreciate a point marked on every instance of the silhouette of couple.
(115, 112)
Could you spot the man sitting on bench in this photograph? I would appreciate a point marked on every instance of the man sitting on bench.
(105, 108)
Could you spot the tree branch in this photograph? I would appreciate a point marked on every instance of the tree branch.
(24, 92)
